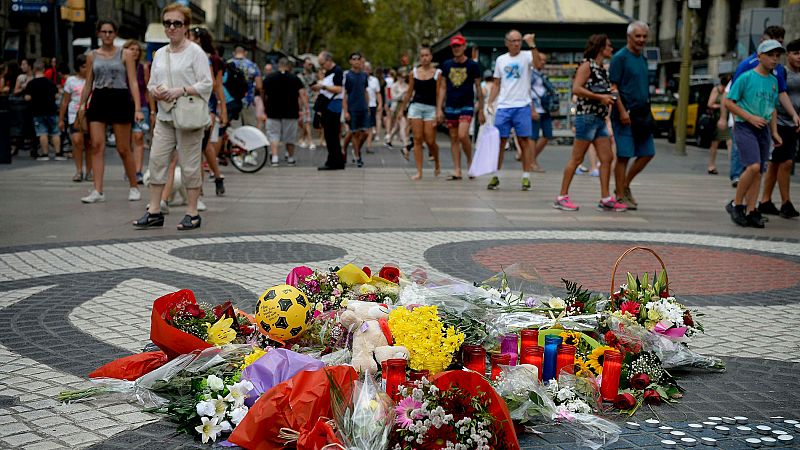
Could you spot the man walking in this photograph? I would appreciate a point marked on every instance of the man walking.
(329, 105)
(41, 93)
(254, 84)
(284, 98)
(375, 101)
(356, 110)
(545, 98)
(631, 119)
(456, 101)
(512, 90)
(781, 161)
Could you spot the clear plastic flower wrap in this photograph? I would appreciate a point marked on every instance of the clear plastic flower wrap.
(530, 403)
(671, 353)
(364, 421)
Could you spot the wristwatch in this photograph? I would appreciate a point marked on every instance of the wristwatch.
(185, 92)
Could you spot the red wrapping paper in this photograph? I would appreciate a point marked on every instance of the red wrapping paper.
(131, 367)
(173, 341)
(473, 383)
(297, 404)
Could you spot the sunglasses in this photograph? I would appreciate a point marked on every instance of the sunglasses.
(173, 24)
(107, 31)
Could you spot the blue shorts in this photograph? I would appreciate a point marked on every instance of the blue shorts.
(373, 116)
(545, 124)
(627, 146)
(422, 111)
(46, 125)
(589, 127)
(454, 116)
(753, 144)
(517, 118)
(359, 120)
(144, 125)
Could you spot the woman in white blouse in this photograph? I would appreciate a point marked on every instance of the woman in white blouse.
(186, 72)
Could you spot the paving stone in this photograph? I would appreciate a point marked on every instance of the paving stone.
(18, 440)
(45, 445)
(13, 428)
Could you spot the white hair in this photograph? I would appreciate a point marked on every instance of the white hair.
(638, 24)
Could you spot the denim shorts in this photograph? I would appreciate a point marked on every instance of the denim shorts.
(627, 146)
(422, 111)
(589, 127)
(359, 120)
(46, 125)
(144, 125)
(545, 124)
(517, 118)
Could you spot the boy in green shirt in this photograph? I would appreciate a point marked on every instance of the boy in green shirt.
(753, 98)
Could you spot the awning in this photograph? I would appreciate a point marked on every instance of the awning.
(564, 11)
(155, 34)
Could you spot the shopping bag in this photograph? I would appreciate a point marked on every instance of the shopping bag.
(486, 151)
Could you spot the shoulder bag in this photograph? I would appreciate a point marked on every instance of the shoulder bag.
(190, 112)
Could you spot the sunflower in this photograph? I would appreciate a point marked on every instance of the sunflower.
(582, 369)
(571, 337)
(595, 359)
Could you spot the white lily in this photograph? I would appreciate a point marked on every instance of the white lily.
(215, 383)
(210, 429)
(220, 407)
(206, 408)
(237, 392)
(226, 426)
(237, 415)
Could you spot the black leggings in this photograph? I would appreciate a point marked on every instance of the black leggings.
(331, 126)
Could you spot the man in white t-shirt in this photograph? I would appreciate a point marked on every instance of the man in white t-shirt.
(375, 103)
(512, 90)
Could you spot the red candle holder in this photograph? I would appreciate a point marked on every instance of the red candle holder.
(499, 359)
(474, 358)
(565, 359)
(612, 368)
(395, 376)
(528, 337)
(416, 375)
(533, 356)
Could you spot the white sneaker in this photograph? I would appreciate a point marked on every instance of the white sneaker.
(291, 161)
(134, 195)
(60, 158)
(312, 147)
(164, 207)
(274, 162)
(200, 205)
(94, 197)
(43, 158)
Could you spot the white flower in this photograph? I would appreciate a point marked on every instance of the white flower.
(220, 407)
(557, 302)
(237, 415)
(565, 393)
(237, 392)
(205, 408)
(210, 429)
(215, 383)
(226, 426)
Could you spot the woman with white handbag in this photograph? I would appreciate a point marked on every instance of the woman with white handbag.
(181, 82)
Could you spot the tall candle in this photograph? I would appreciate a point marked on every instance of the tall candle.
(551, 343)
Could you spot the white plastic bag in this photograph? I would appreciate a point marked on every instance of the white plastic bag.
(486, 151)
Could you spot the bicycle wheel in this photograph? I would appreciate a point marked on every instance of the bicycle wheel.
(249, 161)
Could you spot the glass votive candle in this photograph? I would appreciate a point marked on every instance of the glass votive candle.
(395, 376)
(416, 375)
(499, 359)
(565, 359)
(551, 343)
(528, 337)
(612, 368)
(474, 358)
(509, 344)
(533, 356)
(384, 368)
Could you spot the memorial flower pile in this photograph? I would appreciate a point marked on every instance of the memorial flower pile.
(430, 345)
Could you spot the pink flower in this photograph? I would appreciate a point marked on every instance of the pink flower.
(407, 411)
(298, 275)
(630, 307)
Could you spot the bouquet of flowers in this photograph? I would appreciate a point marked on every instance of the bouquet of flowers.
(218, 325)
(365, 421)
(323, 288)
(420, 330)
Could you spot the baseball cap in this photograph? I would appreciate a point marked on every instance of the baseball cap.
(458, 40)
(770, 45)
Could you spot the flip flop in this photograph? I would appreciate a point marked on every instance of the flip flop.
(453, 177)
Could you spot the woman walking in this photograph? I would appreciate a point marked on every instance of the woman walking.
(115, 100)
(593, 88)
(179, 69)
(139, 129)
(720, 134)
(423, 84)
(73, 90)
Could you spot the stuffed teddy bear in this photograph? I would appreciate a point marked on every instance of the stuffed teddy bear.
(369, 340)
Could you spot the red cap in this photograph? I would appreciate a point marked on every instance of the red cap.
(458, 40)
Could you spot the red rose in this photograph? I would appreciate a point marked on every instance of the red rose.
(687, 319)
(390, 273)
(611, 339)
(640, 381)
(624, 401)
(193, 310)
(652, 397)
(367, 271)
(663, 294)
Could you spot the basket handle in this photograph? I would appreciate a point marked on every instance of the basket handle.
(630, 250)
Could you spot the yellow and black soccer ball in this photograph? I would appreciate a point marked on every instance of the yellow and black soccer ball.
(283, 312)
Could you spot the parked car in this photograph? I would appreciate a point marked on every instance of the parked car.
(697, 115)
(662, 105)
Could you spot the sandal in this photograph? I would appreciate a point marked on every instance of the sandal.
(189, 223)
(405, 153)
(149, 221)
(78, 177)
(713, 172)
(454, 177)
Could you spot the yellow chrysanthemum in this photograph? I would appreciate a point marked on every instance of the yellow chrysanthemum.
(571, 337)
(258, 352)
(429, 345)
(221, 333)
(582, 369)
(595, 359)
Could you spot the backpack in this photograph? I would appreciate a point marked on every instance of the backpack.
(236, 82)
(550, 99)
